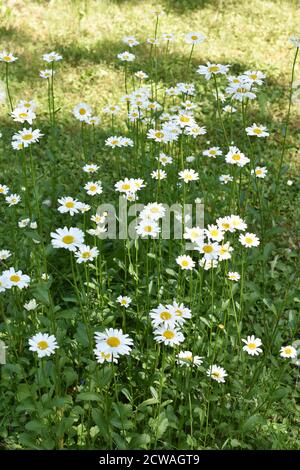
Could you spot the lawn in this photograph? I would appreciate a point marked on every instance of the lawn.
(187, 383)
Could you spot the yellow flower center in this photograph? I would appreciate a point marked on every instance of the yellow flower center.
(93, 188)
(225, 225)
(179, 313)
(69, 204)
(42, 345)
(105, 356)
(241, 90)
(214, 233)
(184, 263)
(126, 186)
(1, 190)
(288, 350)
(113, 341)
(15, 278)
(194, 37)
(251, 345)
(253, 76)
(249, 240)
(82, 111)
(148, 228)
(165, 315)
(212, 152)
(257, 131)
(159, 134)
(7, 58)
(23, 115)
(27, 136)
(236, 157)
(184, 119)
(188, 358)
(168, 334)
(208, 249)
(86, 254)
(216, 374)
(258, 172)
(214, 68)
(68, 239)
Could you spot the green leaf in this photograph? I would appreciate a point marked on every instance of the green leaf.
(88, 396)
(23, 392)
(253, 422)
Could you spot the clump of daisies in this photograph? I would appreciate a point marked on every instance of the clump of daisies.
(167, 322)
(129, 187)
(148, 222)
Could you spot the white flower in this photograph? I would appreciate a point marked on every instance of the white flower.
(27, 137)
(153, 211)
(212, 152)
(158, 174)
(188, 175)
(229, 109)
(148, 228)
(225, 224)
(4, 189)
(210, 250)
(70, 205)
(212, 69)
(170, 37)
(114, 342)
(258, 130)
(217, 373)
(52, 57)
(168, 335)
(30, 305)
(3, 283)
(114, 141)
(181, 312)
(215, 233)
(249, 239)
(7, 57)
(237, 222)
(194, 38)
(195, 131)
(15, 278)
(225, 251)
(43, 344)
(260, 172)
(47, 73)
(254, 76)
(102, 356)
(141, 75)
(90, 168)
(288, 352)
(233, 276)
(4, 254)
(82, 111)
(68, 238)
(163, 316)
(194, 234)
(93, 188)
(290, 182)
(126, 56)
(131, 41)
(85, 253)
(241, 91)
(124, 300)
(23, 223)
(252, 345)
(236, 157)
(225, 179)
(185, 262)
(13, 199)
(186, 358)
(23, 115)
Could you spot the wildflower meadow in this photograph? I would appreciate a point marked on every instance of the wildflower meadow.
(149, 254)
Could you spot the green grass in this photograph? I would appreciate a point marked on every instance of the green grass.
(147, 402)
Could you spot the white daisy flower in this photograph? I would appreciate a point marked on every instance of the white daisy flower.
(163, 316)
(23, 114)
(16, 278)
(43, 344)
(225, 179)
(13, 199)
(85, 254)
(168, 335)
(212, 69)
(126, 56)
(186, 358)
(148, 228)
(47, 73)
(260, 172)
(252, 345)
(217, 373)
(185, 262)
(236, 157)
(234, 276)
(69, 205)
(93, 188)
(188, 175)
(158, 174)
(68, 238)
(114, 342)
(212, 152)
(288, 352)
(52, 57)
(4, 254)
(4, 189)
(194, 38)
(90, 168)
(102, 356)
(249, 239)
(124, 300)
(7, 57)
(182, 313)
(257, 130)
(81, 111)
